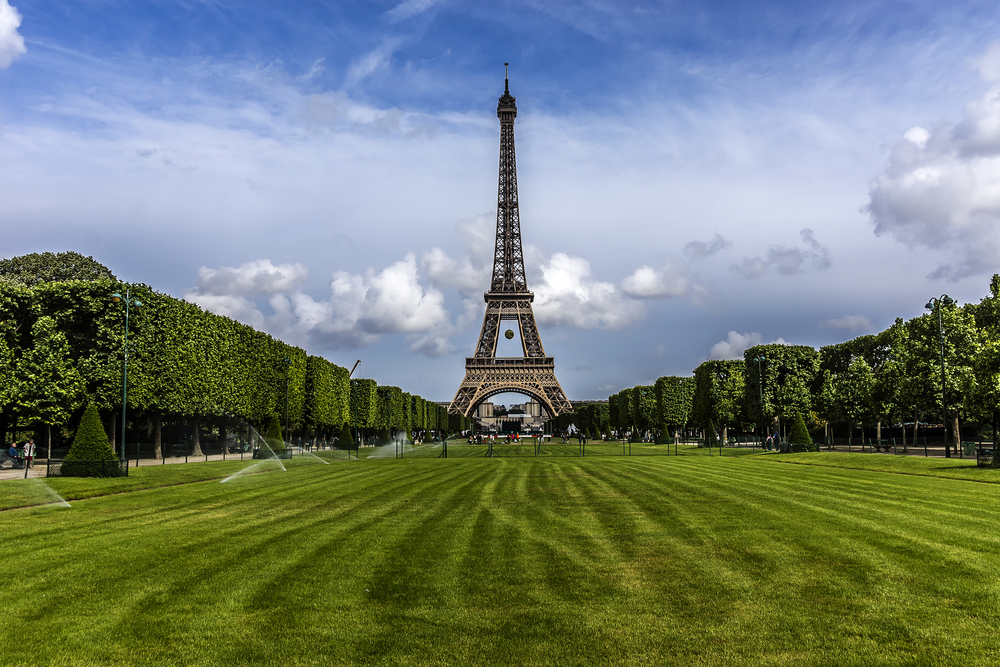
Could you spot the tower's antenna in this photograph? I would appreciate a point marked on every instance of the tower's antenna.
(506, 88)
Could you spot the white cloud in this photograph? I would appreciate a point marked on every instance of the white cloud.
(251, 279)
(359, 310)
(396, 302)
(445, 272)
(736, 344)
(11, 43)
(409, 9)
(372, 62)
(849, 322)
(646, 282)
(568, 296)
(989, 63)
(787, 260)
(941, 187)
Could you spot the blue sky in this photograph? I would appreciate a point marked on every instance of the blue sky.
(694, 177)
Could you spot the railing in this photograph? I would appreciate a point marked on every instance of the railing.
(491, 362)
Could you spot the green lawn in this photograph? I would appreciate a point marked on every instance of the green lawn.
(513, 561)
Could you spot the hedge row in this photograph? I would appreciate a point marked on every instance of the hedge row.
(61, 346)
(894, 375)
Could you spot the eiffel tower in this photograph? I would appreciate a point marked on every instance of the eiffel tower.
(486, 374)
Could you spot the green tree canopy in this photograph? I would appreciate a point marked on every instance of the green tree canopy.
(49, 267)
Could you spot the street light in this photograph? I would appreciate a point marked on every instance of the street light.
(760, 386)
(935, 304)
(129, 302)
(684, 410)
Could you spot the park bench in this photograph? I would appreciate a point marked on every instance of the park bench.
(16, 463)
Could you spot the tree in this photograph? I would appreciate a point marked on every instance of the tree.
(963, 344)
(718, 393)
(49, 387)
(47, 267)
(786, 380)
(90, 449)
(854, 391)
(674, 400)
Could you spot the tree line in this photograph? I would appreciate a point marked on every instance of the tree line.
(892, 377)
(62, 348)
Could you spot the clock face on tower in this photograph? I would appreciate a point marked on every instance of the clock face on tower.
(508, 334)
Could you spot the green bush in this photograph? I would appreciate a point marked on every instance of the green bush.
(799, 434)
(346, 439)
(90, 450)
(799, 439)
(273, 435)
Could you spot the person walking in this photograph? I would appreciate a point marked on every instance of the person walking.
(29, 452)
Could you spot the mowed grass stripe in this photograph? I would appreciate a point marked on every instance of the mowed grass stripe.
(534, 561)
(878, 554)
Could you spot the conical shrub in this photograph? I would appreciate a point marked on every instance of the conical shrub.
(90, 449)
(273, 435)
(799, 439)
(346, 439)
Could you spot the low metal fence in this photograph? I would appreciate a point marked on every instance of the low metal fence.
(77, 468)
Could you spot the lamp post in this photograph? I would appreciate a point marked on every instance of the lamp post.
(684, 410)
(357, 431)
(935, 304)
(129, 302)
(760, 387)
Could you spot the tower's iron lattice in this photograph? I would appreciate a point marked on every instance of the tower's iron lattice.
(534, 373)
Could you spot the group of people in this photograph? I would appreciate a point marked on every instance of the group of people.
(21, 455)
(773, 442)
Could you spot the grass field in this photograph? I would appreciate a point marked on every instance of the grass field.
(535, 561)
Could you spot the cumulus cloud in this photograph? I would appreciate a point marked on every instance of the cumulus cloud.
(849, 322)
(360, 307)
(736, 344)
(647, 282)
(11, 43)
(698, 249)
(567, 295)
(252, 279)
(787, 260)
(941, 187)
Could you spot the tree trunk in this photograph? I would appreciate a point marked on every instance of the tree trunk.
(878, 432)
(224, 436)
(48, 441)
(916, 425)
(996, 419)
(902, 425)
(956, 431)
(157, 436)
(196, 437)
(725, 433)
(3, 428)
(111, 428)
